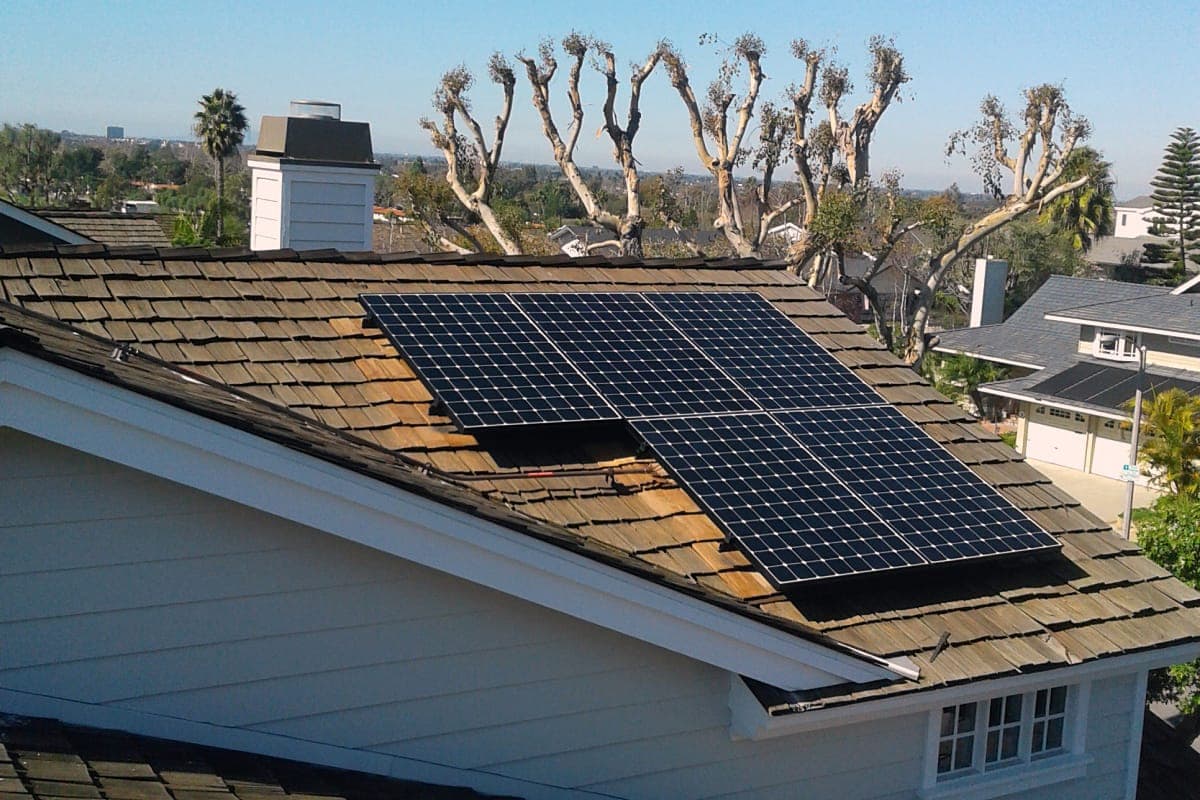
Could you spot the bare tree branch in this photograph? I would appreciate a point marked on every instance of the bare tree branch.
(465, 160)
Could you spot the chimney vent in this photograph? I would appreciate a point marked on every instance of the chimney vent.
(315, 109)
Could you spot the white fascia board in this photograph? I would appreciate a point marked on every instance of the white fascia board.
(77, 411)
(1187, 286)
(1041, 401)
(1010, 362)
(749, 720)
(1121, 326)
(40, 223)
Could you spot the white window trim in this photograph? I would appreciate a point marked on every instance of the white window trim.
(1123, 335)
(1031, 771)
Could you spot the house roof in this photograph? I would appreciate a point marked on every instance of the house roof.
(1141, 201)
(1161, 313)
(43, 759)
(112, 227)
(1117, 250)
(1093, 386)
(287, 329)
(1026, 338)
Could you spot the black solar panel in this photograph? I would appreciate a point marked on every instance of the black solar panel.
(788, 512)
(942, 508)
(481, 356)
(777, 364)
(641, 364)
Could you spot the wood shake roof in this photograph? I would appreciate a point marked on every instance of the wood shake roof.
(287, 328)
(41, 758)
(112, 227)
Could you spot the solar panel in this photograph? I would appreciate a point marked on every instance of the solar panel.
(483, 358)
(940, 506)
(777, 364)
(637, 360)
(790, 514)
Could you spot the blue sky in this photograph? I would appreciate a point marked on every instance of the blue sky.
(1133, 69)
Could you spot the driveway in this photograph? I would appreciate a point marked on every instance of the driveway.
(1104, 497)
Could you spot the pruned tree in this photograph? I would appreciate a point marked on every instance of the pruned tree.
(720, 149)
(834, 151)
(434, 207)
(469, 159)
(839, 147)
(628, 226)
(1035, 152)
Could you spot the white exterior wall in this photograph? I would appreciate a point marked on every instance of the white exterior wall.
(1131, 222)
(307, 207)
(163, 605)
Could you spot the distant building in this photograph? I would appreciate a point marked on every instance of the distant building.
(115, 132)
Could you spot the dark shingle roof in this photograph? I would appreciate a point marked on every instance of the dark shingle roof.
(287, 328)
(112, 227)
(1177, 313)
(1092, 385)
(43, 759)
(1027, 338)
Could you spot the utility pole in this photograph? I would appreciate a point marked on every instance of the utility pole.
(1133, 440)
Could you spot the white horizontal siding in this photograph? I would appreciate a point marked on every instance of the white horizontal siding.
(124, 590)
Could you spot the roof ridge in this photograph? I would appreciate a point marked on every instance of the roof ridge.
(46, 249)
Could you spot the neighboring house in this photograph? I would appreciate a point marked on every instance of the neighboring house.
(1072, 347)
(233, 515)
(70, 226)
(575, 239)
(1131, 233)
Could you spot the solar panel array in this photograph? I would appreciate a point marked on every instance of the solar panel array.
(800, 462)
(482, 357)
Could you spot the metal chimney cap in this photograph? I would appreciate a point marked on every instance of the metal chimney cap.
(315, 109)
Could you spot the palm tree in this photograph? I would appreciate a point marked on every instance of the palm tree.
(1172, 448)
(221, 125)
(1087, 212)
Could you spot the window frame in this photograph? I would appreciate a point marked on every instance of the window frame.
(1125, 340)
(1028, 769)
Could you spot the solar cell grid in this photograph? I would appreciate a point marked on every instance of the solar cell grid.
(763, 351)
(940, 506)
(791, 515)
(485, 360)
(637, 360)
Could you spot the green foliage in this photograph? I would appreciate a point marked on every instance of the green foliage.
(27, 155)
(959, 377)
(1086, 213)
(221, 125)
(1176, 197)
(1034, 250)
(1009, 438)
(1170, 535)
(1171, 447)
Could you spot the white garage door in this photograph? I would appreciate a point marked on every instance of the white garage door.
(1057, 436)
(1111, 452)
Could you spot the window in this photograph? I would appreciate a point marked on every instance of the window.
(1049, 720)
(978, 738)
(1116, 345)
(1058, 412)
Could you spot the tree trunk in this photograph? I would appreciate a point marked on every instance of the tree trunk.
(914, 351)
(220, 200)
(630, 236)
(506, 242)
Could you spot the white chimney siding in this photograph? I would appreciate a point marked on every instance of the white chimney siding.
(309, 207)
(987, 297)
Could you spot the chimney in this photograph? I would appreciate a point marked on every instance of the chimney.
(987, 297)
(312, 181)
